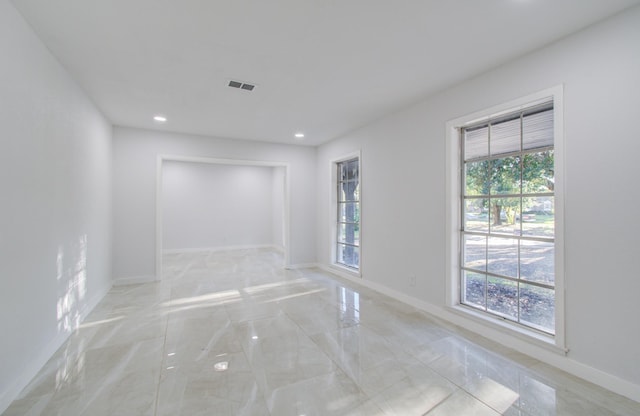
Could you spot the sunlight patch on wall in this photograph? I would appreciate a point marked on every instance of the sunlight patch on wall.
(71, 274)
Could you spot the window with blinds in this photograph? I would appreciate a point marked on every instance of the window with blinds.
(508, 217)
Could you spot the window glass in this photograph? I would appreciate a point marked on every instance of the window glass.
(347, 241)
(508, 218)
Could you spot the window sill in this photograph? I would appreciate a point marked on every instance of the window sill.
(507, 327)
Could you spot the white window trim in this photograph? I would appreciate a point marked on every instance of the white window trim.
(453, 191)
(333, 209)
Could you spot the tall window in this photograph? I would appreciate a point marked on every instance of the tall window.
(508, 217)
(348, 205)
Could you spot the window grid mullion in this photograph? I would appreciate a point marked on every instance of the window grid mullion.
(512, 279)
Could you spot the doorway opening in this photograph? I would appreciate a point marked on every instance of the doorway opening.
(210, 203)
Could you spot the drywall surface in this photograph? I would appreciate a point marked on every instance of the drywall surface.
(55, 167)
(404, 189)
(214, 206)
(278, 204)
(135, 158)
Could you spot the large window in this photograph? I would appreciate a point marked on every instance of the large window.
(348, 215)
(507, 237)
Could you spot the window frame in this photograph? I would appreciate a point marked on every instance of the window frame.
(454, 216)
(334, 213)
(492, 230)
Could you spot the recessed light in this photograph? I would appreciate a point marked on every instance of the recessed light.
(160, 119)
(299, 135)
(221, 366)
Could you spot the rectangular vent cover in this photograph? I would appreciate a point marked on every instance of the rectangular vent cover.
(241, 85)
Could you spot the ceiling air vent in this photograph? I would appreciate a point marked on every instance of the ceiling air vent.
(241, 85)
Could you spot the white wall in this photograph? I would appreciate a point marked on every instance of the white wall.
(216, 205)
(278, 207)
(134, 166)
(403, 195)
(55, 154)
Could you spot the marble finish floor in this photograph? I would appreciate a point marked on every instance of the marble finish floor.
(232, 333)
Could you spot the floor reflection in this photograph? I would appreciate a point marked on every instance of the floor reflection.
(349, 301)
(232, 333)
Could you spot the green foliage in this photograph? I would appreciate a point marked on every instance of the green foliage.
(529, 173)
(538, 172)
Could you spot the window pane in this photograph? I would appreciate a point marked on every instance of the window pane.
(477, 178)
(505, 137)
(348, 191)
(342, 171)
(537, 307)
(538, 219)
(349, 233)
(474, 289)
(476, 143)
(353, 170)
(538, 172)
(502, 297)
(348, 212)
(537, 261)
(505, 176)
(537, 130)
(475, 252)
(502, 256)
(348, 255)
(505, 216)
(476, 215)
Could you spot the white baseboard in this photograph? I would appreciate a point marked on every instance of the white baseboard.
(133, 280)
(546, 355)
(36, 364)
(222, 248)
(301, 266)
(344, 272)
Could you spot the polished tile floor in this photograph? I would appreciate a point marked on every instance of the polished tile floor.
(232, 333)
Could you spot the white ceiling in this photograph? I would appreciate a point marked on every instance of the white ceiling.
(323, 67)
